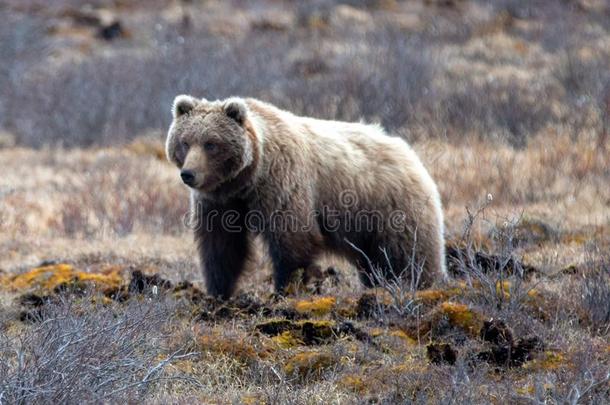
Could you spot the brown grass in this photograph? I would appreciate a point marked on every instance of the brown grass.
(507, 107)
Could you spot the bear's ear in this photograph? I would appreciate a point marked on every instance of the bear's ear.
(236, 109)
(183, 104)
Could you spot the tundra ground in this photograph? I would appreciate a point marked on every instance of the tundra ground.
(507, 103)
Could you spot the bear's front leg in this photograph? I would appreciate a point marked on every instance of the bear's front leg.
(223, 244)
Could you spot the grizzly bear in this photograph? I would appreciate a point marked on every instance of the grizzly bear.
(308, 186)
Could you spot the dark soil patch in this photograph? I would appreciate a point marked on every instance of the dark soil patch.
(312, 332)
(441, 353)
(462, 261)
(503, 350)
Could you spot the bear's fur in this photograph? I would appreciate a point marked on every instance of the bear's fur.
(308, 186)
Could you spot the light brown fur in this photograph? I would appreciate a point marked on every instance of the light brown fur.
(297, 170)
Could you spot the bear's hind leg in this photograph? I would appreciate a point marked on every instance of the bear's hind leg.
(379, 262)
(290, 252)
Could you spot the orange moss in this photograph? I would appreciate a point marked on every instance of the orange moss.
(49, 277)
(549, 360)
(237, 349)
(403, 336)
(103, 300)
(309, 363)
(348, 308)
(252, 399)
(504, 289)
(432, 296)
(353, 383)
(316, 306)
(577, 238)
(392, 341)
(413, 362)
(463, 317)
(399, 333)
(374, 332)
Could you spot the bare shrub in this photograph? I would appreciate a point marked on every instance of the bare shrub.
(108, 98)
(54, 4)
(586, 82)
(82, 352)
(22, 45)
(500, 112)
(382, 75)
(94, 102)
(384, 84)
(595, 295)
(116, 196)
(400, 285)
(501, 276)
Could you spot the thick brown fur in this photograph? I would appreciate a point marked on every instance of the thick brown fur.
(308, 186)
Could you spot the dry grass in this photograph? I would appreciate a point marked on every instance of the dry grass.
(507, 107)
(565, 303)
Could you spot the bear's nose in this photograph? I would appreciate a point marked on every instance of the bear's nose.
(188, 177)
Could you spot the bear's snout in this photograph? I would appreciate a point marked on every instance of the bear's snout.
(188, 177)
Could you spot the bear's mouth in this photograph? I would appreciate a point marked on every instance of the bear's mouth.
(208, 184)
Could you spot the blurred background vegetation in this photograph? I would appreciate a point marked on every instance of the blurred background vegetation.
(78, 73)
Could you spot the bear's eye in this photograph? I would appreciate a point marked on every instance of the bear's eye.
(209, 146)
(184, 145)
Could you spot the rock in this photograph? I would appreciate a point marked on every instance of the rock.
(309, 332)
(47, 278)
(344, 15)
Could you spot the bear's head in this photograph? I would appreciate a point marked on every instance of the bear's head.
(210, 142)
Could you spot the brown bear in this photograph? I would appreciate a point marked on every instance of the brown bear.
(308, 186)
